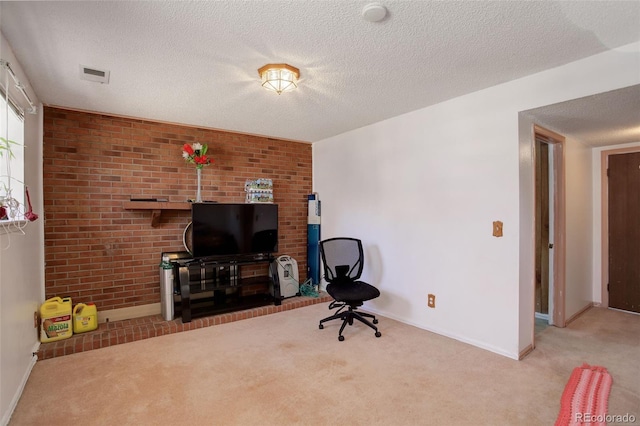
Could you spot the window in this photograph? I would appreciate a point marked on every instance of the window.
(11, 159)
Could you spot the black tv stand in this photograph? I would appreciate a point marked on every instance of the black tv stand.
(208, 286)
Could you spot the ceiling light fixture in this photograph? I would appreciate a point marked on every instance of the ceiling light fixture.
(279, 77)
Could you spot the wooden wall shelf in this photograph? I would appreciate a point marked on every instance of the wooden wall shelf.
(156, 208)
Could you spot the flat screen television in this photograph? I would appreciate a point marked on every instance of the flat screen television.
(233, 229)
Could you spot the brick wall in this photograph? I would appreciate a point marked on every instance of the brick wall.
(96, 251)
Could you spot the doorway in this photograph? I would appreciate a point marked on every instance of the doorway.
(623, 202)
(549, 229)
(544, 233)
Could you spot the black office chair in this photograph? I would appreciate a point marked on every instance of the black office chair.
(343, 260)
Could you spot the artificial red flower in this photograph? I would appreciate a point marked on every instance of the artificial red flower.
(196, 155)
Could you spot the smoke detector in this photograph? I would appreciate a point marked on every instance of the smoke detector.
(374, 12)
(93, 74)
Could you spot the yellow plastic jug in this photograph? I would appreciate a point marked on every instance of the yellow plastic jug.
(55, 319)
(85, 317)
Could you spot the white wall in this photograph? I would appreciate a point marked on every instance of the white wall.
(579, 223)
(21, 269)
(422, 189)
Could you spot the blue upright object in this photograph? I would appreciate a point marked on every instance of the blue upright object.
(313, 239)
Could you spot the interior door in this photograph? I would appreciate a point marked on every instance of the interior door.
(550, 214)
(542, 229)
(624, 231)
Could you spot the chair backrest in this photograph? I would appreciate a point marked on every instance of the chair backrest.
(342, 258)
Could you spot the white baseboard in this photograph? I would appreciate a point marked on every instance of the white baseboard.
(623, 311)
(542, 316)
(472, 342)
(16, 397)
(129, 313)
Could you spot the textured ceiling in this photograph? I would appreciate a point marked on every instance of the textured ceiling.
(196, 62)
(608, 118)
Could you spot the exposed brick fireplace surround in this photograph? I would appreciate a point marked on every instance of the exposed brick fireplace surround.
(97, 251)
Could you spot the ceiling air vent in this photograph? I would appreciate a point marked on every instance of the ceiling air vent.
(92, 74)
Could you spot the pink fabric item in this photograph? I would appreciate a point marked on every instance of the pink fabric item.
(30, 215)
(585, 397)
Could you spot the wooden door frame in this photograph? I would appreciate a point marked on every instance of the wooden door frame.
(556, 142)
(604, 226)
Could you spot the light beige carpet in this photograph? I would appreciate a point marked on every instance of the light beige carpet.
(281, 369)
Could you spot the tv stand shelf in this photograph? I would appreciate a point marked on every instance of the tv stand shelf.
(213, 286)
(156, 208)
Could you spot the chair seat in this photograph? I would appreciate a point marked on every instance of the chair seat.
(352, 291)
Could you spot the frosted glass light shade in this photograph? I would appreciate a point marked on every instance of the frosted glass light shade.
(279, 77)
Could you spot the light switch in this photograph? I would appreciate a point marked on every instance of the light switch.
(497, 228)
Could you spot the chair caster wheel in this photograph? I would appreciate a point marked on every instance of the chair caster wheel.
(375, 321)
(378, 334)
(341, 338)
(321, 326)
